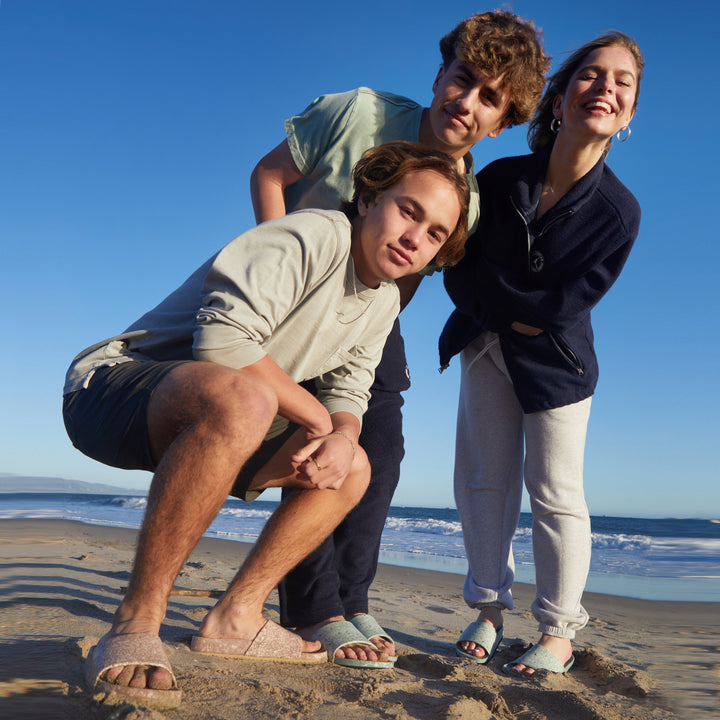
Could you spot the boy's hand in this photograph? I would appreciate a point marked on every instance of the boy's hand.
(325, 461)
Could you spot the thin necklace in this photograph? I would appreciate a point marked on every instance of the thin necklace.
(354, 274)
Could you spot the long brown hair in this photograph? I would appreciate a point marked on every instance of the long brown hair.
(539, 133)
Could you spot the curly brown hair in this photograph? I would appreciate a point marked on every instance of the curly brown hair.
(539, 133)
(383, 166)
(501, 44)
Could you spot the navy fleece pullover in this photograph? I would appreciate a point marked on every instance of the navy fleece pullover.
(548, 273)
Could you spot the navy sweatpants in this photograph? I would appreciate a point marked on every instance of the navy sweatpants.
(335, 578)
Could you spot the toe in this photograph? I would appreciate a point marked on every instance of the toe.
(111, 674)
(356, 652)
(125, 676)
(384, 646)
(139, 678)
(159, 679)
(359, 652)
(473, 649)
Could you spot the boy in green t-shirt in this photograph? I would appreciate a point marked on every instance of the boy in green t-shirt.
(491, 78)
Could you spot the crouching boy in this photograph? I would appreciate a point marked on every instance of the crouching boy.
(203, 392)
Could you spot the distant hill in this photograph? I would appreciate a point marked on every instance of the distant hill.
(25, 484)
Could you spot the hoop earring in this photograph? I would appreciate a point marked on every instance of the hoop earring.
(555, 125)
(623, 139)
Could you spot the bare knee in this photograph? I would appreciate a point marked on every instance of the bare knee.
(227, 405)
(358, 478)
(238, 404)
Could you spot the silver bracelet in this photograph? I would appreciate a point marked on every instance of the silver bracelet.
(349, 439)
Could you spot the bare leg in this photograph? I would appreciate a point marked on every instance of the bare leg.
(204, 437)
(204, 422)
(296, 528)
(278, 473)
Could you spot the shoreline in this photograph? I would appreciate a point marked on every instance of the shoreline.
(634, 587)
(605, 577)
(62, 579)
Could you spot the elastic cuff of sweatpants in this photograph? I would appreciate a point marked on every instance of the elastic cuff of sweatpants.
(497, 604)
(567, 633)
(506, 604)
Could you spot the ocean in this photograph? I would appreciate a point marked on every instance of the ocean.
(653, 559)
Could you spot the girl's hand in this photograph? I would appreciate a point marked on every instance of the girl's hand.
(524, 329)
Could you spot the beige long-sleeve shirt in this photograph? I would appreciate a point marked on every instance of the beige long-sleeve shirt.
(286, 288)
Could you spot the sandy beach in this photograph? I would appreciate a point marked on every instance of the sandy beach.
(60, 582)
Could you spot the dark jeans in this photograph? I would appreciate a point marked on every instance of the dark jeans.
(335, 578)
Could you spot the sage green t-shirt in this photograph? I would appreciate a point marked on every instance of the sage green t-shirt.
(332, 133)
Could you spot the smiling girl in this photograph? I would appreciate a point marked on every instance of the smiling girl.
(556, 228)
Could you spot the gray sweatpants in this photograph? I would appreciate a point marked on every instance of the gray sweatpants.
(497, 446)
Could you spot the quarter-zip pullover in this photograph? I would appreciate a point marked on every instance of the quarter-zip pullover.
(548, 272)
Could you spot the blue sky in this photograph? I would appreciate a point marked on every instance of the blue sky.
(128, 131)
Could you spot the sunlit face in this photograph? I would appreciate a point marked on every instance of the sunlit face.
(402, 231)
(600, 97)
(466, 107)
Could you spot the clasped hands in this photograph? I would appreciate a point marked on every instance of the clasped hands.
(325, 460)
